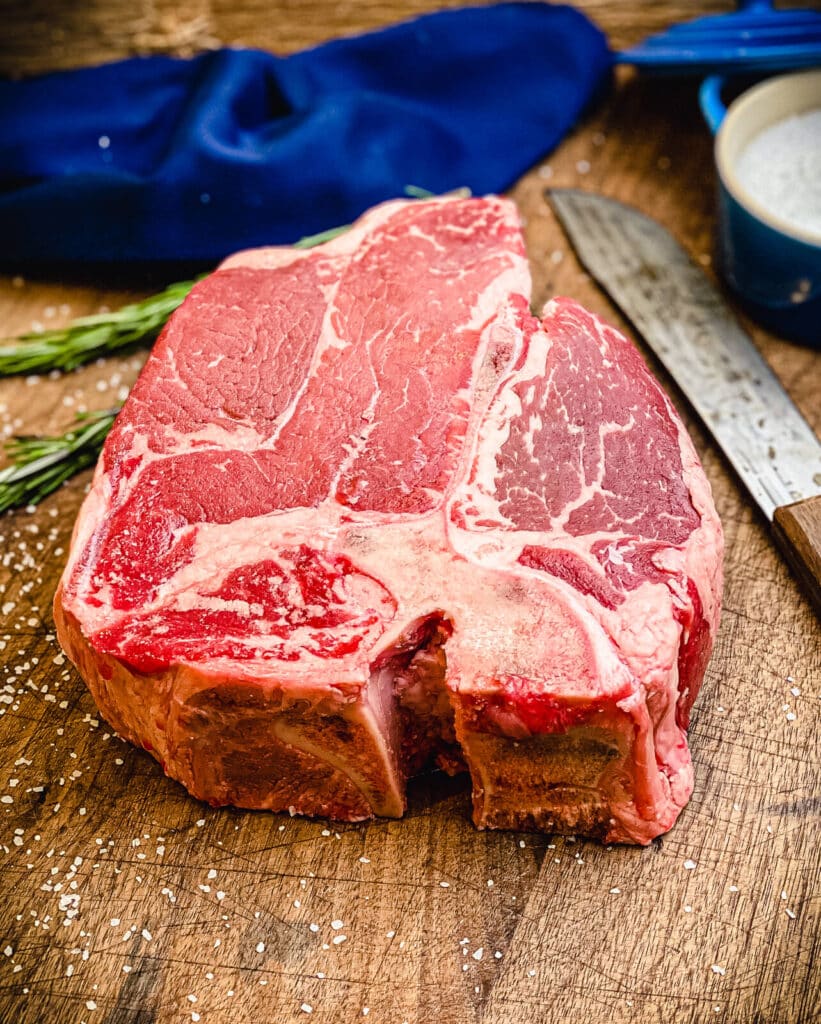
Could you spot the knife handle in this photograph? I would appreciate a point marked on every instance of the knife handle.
(797, 530)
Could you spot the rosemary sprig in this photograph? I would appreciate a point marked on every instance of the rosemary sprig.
(88, 337)
(40, 464)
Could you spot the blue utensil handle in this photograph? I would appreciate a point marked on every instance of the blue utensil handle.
(709, 98)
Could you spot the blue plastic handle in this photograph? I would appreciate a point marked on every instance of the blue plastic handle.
(709, 98)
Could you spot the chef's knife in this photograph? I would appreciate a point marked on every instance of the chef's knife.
(685, 321)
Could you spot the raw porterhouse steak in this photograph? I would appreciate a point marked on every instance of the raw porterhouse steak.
(363, 509)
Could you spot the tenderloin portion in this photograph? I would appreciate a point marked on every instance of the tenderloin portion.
(363, 509)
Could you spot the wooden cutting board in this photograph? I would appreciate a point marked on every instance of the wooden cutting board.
(123, 900)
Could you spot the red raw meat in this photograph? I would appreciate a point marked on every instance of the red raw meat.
(363, 509)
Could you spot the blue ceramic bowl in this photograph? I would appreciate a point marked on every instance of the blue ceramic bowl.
(773, 266)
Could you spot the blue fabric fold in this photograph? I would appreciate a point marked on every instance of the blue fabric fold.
(167, 159)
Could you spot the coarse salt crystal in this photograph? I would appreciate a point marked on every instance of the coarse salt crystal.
(260, 947)
(307, 1008)
(690, 865)
(477, 954)
(717, 969)
(778, 169)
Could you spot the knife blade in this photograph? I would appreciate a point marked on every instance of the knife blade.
(685, 321)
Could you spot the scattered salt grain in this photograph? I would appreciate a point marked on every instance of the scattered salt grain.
(690, 865)
(717, 969)
(477, 954)
(339, 938)
(260, 947)
(583, 166)
(307, 1008)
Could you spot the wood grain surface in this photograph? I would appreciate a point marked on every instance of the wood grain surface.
(123, 900)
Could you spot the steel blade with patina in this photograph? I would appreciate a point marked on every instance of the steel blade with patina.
(686, 322)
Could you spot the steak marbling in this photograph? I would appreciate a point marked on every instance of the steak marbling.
(362, 509)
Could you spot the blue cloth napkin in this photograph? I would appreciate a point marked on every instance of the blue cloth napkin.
(167, 159)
